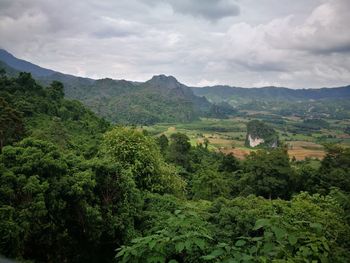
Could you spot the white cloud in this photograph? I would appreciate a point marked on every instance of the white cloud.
(241, 43)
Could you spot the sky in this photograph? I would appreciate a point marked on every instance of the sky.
(247, 43)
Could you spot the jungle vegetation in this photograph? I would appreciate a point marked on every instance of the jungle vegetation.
(75, 188)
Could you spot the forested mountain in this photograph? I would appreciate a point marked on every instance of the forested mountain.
(164, 99)
(226, 93)
(28, 109)
(22, 65)
(161, 99)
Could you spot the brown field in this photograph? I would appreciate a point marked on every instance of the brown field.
(299, 149)
(171, 129)
(302, 149)
(237, 152)
(225, 143)
(220, 142)
(301, 154)
(344, 136)
(253, 112)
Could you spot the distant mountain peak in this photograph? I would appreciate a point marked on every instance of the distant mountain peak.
(164, 82)
(163, 78)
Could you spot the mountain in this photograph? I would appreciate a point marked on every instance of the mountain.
(165, 99)
(237, 95)
(22, 65)
(160, 99)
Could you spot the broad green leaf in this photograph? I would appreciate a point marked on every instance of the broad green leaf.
(316, 226)
(261, 223)
(200, 243)
(188, 244)
(156, 259)
(152, 243)
(214, 254)
(279, 233)
(240, 243)
(314, 247)
(292, 239)
(268, 247)
(208, 257)
(179, 247)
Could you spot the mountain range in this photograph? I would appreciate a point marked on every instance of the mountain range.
(236, 95)
(162, 98)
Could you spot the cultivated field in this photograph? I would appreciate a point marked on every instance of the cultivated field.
(228, 135)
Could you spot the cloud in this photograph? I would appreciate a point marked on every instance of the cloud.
(111, 27)
(208, 9)
(241, 43)
(324, 31)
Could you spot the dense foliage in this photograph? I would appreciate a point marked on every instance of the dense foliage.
(75, 189)
(161, 99)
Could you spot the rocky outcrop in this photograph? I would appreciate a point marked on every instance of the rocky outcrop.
(254, 141)
(260, 135)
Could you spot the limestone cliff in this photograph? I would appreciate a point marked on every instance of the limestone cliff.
(260, 135)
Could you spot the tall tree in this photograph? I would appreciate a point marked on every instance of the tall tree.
(267, 173)
(179, 149)
(11, 124)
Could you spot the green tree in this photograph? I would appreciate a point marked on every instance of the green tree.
(163, 143)
(179, 149)
(208, 183)
(229, 163)
(56, 90)
(183, 237)
(335, 169)
(267, 173)
(141, 155)
(11, 124)
(58, 207)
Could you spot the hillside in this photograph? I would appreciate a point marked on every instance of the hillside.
(22, 65)
(28, 109)
(164, 99)
(161, 99)
(226, 93)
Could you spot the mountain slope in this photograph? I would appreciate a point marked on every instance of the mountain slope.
(164, 99)
(236, 94)
(22, 65)
(161, 99)
(28, 109)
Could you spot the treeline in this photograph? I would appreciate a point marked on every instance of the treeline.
(75, 189)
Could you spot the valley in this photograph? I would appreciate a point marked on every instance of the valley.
(174, 131)
(112, 170)
(228, 135)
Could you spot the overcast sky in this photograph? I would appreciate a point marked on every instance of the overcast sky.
(295, 43)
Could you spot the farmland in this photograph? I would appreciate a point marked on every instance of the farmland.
(228, 135)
